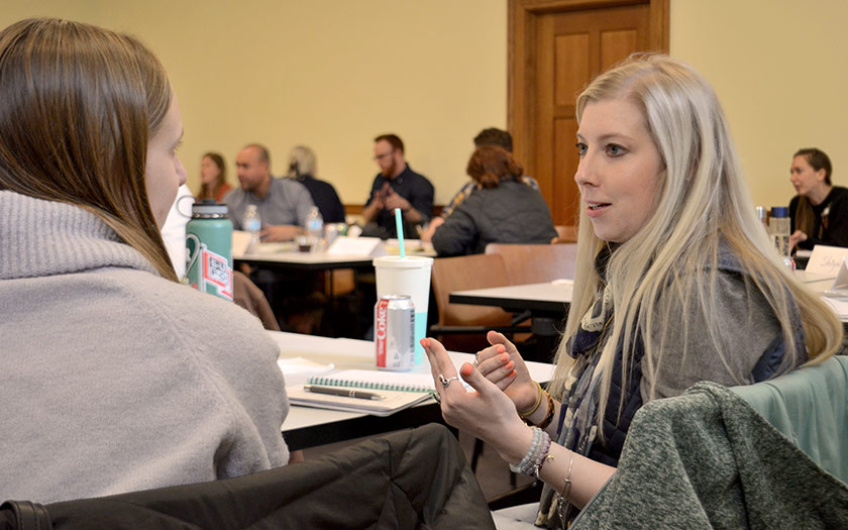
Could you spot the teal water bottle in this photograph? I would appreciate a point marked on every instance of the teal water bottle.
(209, 249)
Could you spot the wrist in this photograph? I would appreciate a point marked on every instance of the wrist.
(520, 438)
(544, 414)
(529, 407)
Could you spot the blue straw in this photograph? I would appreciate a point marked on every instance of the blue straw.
(399, 224)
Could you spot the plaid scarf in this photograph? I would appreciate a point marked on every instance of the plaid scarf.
(578, 420)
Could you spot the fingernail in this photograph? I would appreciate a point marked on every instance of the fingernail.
(504, 358)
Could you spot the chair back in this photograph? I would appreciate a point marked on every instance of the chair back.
(566, 234)
(536, 263)
(477, 271)
(247, 295)
(810, 407)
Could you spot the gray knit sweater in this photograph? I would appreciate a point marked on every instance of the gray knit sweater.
(113, 379)
(707, 460)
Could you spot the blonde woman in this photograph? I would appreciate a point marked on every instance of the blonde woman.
(115, 377)
(676, 283)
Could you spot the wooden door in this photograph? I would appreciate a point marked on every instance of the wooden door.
(556, 47)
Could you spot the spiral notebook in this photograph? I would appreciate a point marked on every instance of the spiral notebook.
(397, 390)
(377, 380)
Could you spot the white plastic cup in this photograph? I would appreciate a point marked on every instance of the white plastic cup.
(407, 276)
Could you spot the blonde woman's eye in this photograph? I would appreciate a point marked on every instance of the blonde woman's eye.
(581, 149)
(615, 150)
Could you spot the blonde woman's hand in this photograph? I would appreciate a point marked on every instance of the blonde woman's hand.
(486, 412)
(502, 364)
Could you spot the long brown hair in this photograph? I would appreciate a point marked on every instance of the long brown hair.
(79, 104)
(207, 191)
(490, 164)
(805, 219)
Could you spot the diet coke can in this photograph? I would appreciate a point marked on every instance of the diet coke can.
(394, 332)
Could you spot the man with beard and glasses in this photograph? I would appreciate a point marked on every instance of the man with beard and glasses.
(396, 186)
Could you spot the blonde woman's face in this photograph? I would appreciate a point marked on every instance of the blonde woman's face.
(208, 171)
(619, 168)
(164, 172)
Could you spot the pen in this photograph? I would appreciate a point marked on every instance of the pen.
(344, 392)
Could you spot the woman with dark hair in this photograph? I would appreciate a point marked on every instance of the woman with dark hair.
(820, 210)
(115, 376)
(502, 210)
(213, 177)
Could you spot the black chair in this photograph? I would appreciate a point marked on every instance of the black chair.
(411, 479)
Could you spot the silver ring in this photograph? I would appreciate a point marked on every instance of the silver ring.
(437, 397)
(447, 381)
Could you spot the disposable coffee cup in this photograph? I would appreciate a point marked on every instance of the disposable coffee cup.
(407, 276)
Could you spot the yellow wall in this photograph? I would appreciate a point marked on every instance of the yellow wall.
(780, 70)
(332, 74)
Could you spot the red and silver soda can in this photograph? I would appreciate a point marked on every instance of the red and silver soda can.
(394, 332)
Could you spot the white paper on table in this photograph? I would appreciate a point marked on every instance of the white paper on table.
(840, 284)
(839, 306)
(241, 240)
(357, 246)
(298, 370)
(825, 262)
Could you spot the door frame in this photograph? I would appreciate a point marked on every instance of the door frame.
(521, 19)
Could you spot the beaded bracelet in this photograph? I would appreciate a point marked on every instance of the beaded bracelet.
(550, 415)
(536, 455)
(543, 457)
(537, 438)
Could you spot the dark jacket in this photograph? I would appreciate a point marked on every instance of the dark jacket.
(511, 213)
(325, 198)
(830, 220)
(411, 479)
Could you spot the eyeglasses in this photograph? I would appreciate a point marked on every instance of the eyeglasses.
(377, 158)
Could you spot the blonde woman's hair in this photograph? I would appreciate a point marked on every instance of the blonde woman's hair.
(701, 199)
(302, 161)
(79, 104)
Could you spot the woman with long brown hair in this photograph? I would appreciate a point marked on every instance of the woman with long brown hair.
(820, 210)
(115, 376)
(213, 177)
